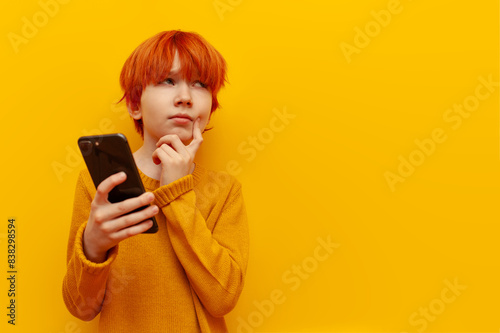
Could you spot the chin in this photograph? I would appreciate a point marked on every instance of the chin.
(183, 133)
(186, 139)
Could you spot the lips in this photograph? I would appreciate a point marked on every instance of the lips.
(181, 116)
(181, 119)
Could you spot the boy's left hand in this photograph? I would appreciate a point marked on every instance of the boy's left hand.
(176, 158)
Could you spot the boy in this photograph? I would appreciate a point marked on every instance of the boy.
(189, 274)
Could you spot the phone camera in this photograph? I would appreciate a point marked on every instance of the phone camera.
(86, 147)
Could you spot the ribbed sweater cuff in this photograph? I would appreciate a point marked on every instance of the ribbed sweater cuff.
(89, 266)
(168, 193)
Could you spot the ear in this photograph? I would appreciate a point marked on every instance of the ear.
(135, 114)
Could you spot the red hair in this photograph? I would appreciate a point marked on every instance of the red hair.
(152, 60)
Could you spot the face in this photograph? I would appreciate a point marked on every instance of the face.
(172, 106)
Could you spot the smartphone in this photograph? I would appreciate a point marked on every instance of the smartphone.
(108, 154)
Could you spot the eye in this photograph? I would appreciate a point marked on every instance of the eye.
(168, 81)
(200, 84)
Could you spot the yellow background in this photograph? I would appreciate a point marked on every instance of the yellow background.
(321, 175)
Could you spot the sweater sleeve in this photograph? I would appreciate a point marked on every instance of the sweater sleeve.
(84, 284)
(215, 260)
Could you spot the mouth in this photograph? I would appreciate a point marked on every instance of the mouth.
(181, 118)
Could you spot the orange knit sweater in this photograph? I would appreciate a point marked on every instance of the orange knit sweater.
(184, 278)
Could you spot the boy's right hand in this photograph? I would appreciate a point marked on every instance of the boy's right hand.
(107, 227)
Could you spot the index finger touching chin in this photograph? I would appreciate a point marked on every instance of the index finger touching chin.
(197, 130)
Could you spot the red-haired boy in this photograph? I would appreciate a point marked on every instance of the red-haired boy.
(189, 274)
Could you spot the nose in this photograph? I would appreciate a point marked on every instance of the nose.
(183, 96)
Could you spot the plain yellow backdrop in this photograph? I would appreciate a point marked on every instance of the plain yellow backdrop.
(368, 126)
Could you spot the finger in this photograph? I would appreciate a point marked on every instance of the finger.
(163, 153)
(197, 130)
(133, 230)
(133, 218)
(195, 144)
(156, 158)
(166, 139)
(115, 210)
(102, 191)
(174, 142)
(177, 146)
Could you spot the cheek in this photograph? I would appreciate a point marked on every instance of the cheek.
(208, 102)
(205, 119)
(152, 104)
(205, 103)
(204, 122)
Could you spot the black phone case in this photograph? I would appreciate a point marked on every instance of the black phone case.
(108, 154)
